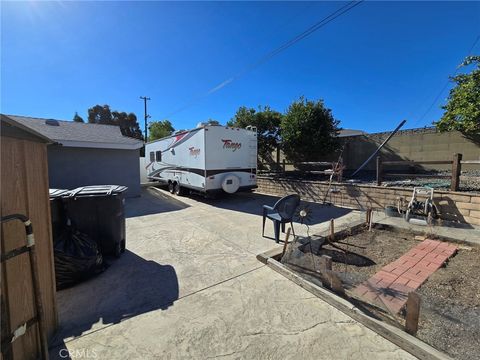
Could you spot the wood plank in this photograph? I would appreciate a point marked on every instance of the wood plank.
(470, 162)
(417, 175)
(412, 163)
(39, 210)
(17, 270)
(413, 313)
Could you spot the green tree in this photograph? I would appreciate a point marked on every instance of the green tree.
(159, 129)
(309, 131)
(127, 122)
(77, 118)
(462, 111)
(267, 122)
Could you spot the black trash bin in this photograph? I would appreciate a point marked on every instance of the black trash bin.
(57, 210)
(98, 211)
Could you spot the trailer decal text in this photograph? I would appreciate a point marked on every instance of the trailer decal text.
(194, 152)
(228, 144)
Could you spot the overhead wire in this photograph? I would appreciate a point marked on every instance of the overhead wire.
(435, 100)
(318, 25)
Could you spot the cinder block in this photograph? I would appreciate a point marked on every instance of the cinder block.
(472, 220)
(475, 214)
(455, 198)
(468, 206)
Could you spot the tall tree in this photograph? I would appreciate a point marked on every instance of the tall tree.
(77, 118)
(267, 122)
(159, 129)
(127, 122)
(462, 112)
(309, 131)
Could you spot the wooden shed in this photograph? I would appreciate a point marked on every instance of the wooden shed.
(24, 190)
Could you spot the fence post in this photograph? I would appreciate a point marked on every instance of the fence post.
(379, 171)
(456, 171)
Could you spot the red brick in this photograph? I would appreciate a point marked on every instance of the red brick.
(402, 280)
(434, 266)
(389, 267)
(399, 270)
(414, 284)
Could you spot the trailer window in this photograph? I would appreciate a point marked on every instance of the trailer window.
(158, 156)
(152, 156)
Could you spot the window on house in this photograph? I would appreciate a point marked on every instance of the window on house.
(152, 156)
(158, 156)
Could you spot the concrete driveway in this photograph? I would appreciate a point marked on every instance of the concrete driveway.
(189, 286)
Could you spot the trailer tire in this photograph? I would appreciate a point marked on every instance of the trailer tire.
(171, 187)
(178, 190)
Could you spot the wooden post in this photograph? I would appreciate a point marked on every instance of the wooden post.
(283, 165)
(286, 241)
(325, 263)
(456, 171)
(379, 171)
(413, 312)
(332, 230)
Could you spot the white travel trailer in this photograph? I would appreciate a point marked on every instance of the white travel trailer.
(208, 159)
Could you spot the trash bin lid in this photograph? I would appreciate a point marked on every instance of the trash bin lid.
(56, 193)
(98, 190)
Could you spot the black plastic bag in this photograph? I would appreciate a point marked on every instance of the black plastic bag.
(76, 257)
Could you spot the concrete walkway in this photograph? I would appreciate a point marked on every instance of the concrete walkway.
(189, 286)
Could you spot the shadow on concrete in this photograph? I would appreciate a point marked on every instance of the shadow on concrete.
(130, 287)
(152, 202)
(252, 203)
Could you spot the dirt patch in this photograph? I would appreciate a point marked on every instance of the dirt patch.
(450, 310)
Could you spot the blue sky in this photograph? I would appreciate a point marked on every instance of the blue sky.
(374, 66)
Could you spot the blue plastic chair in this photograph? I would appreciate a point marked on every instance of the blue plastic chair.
(281, 213)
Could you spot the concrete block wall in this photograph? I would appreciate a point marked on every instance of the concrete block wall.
(452, 206)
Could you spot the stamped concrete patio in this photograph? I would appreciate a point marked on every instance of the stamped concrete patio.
(189, 286)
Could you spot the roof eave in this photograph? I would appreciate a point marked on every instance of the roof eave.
(97, 145)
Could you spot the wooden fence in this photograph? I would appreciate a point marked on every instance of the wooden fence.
(456, 163)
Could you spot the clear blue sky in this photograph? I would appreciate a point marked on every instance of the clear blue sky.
(377, 64)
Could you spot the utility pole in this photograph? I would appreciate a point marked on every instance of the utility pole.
(145, 99)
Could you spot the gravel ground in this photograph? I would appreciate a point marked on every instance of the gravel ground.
(469, 181)
(450, 310)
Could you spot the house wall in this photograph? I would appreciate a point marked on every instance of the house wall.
(24, 189)
(452, 206)
(71, 167)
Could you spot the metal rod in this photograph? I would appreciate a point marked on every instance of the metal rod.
(379, 148)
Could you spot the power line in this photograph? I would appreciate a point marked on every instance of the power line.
(318, 25)
(445, 86)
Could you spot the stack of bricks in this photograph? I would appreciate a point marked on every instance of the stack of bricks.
(390, 286)
(452, 206)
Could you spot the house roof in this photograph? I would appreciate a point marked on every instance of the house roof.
(75, 134)
(350, 132)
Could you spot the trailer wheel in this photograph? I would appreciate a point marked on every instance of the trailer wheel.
(171, 187)
(179, 191)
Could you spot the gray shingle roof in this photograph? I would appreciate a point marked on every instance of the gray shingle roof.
(350, 132)
(63, 132)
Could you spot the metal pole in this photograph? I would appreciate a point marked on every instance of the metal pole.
(145, 99)
(378, 149)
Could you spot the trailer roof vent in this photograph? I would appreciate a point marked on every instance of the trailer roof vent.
(52, 122)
